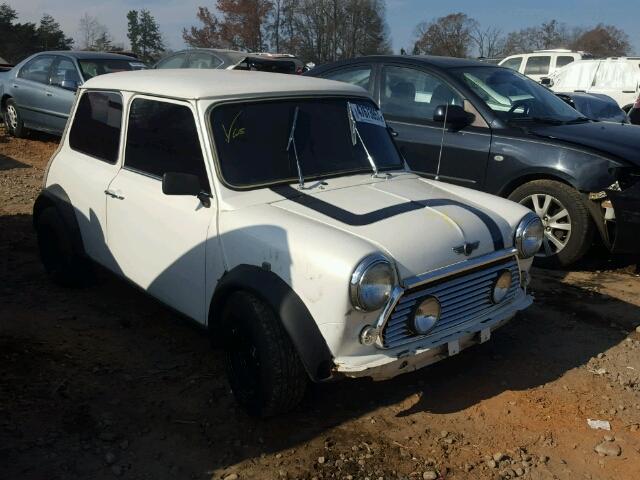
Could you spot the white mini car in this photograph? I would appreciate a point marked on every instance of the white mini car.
(277, 213)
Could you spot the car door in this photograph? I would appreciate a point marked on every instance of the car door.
(617, 79)
(158, 241)
(408, 99)
(28, 90)
(63, 83)
(537, 67)
(90, 163)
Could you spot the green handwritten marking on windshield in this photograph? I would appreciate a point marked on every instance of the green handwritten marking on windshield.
(233, 131)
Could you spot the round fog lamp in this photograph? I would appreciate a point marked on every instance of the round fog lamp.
(426, 316)
(501, 287)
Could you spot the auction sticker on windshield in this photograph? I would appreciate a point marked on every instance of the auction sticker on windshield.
(367, 114)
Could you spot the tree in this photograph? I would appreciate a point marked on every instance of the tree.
(20, 40)
(244, 23)
(144, 35)
(90, 30)
(489, 41)
(603, 41)
(208, 36)
(449, 36)
(50, 36)
(545, 36)
(103, 43)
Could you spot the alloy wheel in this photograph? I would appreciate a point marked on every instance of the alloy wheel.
(555, 219)
(12, 114)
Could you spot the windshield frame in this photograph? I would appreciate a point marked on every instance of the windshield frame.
(293, 180)
(458, 73)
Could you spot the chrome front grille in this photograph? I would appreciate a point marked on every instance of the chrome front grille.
(464, 298)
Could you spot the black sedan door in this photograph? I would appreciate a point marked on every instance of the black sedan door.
(408, 98)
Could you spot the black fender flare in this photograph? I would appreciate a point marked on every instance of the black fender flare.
(55, 196)
(293, 313)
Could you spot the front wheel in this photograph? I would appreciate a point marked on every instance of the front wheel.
(13, 120)
(568, 228)
(262, 364)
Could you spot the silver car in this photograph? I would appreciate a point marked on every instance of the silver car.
(37, 94)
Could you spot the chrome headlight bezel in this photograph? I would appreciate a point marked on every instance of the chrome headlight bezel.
(522, 240)
(359, 276)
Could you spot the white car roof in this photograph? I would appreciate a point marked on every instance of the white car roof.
(195, 84)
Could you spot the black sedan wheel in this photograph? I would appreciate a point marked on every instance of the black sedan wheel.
(568, 228)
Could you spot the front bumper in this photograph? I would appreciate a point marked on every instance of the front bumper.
(385, 364)
(626, 205)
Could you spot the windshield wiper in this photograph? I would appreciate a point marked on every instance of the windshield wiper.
(292, 141)
(579, 120)
(548, 120)
(356, 133)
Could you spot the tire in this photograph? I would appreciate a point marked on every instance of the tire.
(13, 120)
(262, 365)
(61, 262)
(567, 237)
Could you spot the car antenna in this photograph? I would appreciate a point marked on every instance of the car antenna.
(292, 141)
(444, 128)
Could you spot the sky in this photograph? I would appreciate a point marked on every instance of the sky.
(402, 15)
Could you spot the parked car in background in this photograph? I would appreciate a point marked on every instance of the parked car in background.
(595, 106)
(618, 78)
(493, 129)
(541, 63)
(37, 94)
(232, 60)
(276, 212)
(634, 112)
(4, 65)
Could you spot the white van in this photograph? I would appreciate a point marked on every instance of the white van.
(541, 63)
(617, 77)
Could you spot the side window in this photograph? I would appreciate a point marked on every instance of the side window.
(513, 63)
(176, 61)
(537, 65)
(162, 137)
(413, 94)
(563, 60)
(203, 60)
(64, 71)
(37, 70)
(96, 125)
(360, 76)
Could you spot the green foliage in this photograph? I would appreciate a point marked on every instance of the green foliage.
(144, 35)
(19, 40)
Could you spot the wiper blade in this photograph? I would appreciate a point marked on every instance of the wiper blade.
(548, 120)
(354, 130)
(292, 141)
(579, 120)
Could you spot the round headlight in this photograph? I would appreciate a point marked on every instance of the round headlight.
(427, 315)
(371, 283)
(529, 235)
(501, 287)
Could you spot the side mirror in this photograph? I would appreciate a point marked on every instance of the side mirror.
(455, 116)
(546, 81)
(69, 85)
(174, 183)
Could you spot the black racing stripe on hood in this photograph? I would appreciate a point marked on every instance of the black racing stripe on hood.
(359, 220)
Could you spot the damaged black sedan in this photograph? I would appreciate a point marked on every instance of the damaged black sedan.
(490, 128)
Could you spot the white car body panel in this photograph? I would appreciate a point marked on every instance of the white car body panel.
(177, 250)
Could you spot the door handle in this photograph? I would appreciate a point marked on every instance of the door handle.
(48, 94)
(113, 194)
(15, 86)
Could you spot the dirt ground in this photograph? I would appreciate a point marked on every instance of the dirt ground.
(103, 382)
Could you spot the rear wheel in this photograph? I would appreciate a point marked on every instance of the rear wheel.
(61, 262)
(568, 228)
(262, 364)
(13, 120)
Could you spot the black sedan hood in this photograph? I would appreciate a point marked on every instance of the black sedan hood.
(618, 140)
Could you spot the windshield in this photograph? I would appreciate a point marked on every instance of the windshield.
(514, 97)
(94, 67)
(265, 142)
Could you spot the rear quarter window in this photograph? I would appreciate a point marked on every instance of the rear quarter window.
(96, 126)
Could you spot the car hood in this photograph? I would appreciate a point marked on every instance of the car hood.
(415, 221)
(621, 141)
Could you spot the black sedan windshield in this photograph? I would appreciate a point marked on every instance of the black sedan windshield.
(514, 97)
(261, 143)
